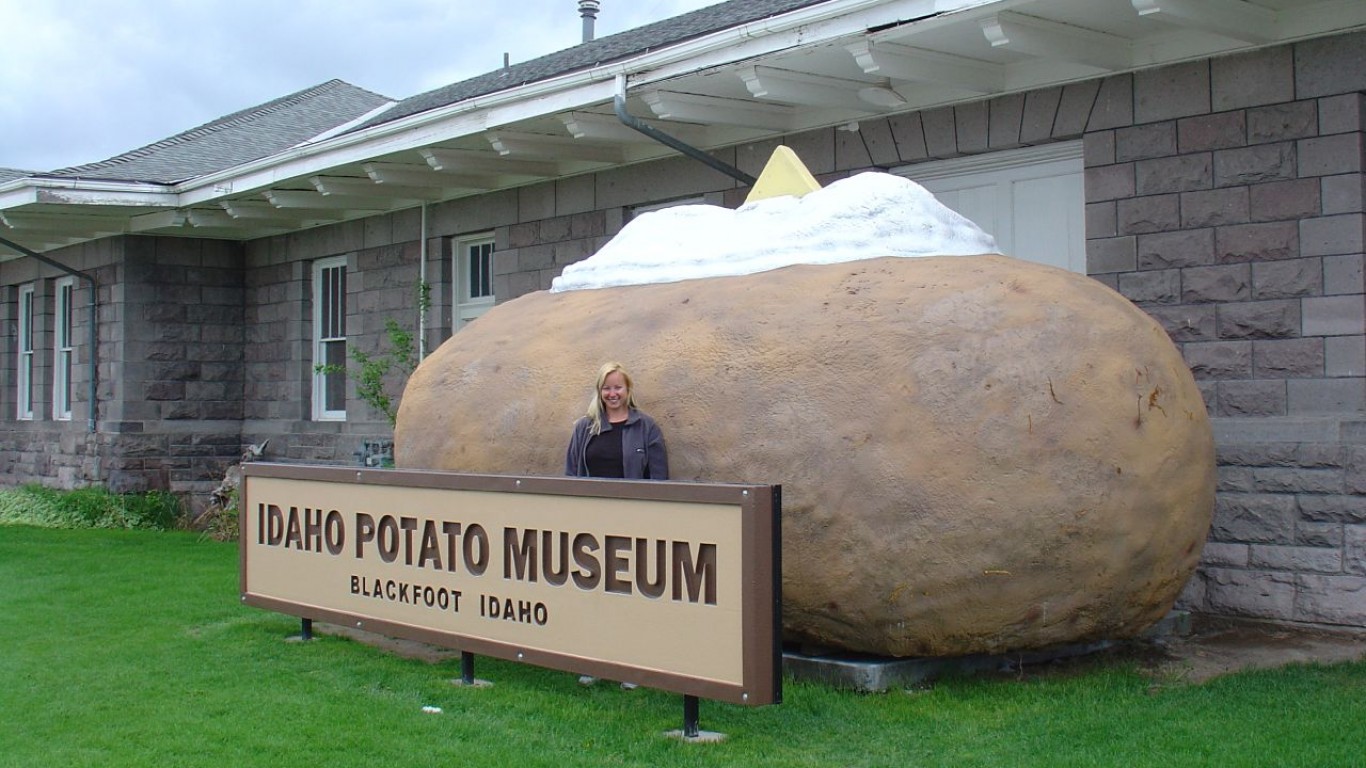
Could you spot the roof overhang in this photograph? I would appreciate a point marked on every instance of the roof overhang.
(831, 64)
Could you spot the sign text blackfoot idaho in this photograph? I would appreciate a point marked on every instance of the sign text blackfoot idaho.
(670, 585)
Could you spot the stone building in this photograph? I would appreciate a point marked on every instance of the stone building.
(1202, 158)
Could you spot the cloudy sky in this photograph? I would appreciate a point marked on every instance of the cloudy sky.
(84, 80)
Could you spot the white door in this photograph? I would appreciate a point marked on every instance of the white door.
(1031, 200)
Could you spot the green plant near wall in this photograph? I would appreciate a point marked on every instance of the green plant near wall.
(92, 507)
(221, 521)
(390, 366)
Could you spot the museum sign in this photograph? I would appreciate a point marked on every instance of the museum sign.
(665, 584)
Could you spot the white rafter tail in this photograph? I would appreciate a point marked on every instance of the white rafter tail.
(200, 217)
(406, 174)
(695, 108)
(539, 146)
(1229, 18)
(295, 198)
(788, 87)
(159, 220)
(902, 62)
(468, 160)
(262, 212)
(367, 187)
(595, 126)
(1062, 42)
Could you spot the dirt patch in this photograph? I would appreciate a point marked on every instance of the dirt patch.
(408, 649)
(1218, 646)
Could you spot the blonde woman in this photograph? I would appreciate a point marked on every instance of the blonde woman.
(614, 438)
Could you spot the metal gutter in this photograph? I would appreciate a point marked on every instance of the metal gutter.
(48, 189)
(630, 121)
(94, 317)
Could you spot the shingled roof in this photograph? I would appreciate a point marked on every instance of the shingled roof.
(594, 53)
(236, 138)
(278, 125)
(10, 174)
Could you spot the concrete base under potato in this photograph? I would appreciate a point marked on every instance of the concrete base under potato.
(859, 672)
(876, 674)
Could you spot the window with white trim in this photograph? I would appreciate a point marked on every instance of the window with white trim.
(473, 270)
(24, 363)
(63, 349)
(329, 339)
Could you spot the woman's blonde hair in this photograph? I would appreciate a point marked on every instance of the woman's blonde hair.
(595, 409)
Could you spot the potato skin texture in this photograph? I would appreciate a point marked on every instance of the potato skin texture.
(978, 454)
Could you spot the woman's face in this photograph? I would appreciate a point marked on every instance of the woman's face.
(614, 392)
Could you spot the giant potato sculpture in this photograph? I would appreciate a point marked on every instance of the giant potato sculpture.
(977, 454)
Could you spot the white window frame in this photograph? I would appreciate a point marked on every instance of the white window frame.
(329, 296)
(473, 289)
(63, 347)
(1010, 167)
(24, 362)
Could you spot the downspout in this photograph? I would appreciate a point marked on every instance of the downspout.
(619, 103)
(94, 331)
(422, 286)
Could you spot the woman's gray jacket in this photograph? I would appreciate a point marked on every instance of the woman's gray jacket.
(642, 448)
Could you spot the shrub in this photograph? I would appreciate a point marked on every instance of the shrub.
(219, 521)
(93, 507)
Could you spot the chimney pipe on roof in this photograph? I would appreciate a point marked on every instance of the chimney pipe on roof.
(588, 9)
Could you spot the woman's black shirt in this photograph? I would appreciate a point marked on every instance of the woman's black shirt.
(603, 455)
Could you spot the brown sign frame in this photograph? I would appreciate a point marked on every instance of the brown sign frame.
(759, 506)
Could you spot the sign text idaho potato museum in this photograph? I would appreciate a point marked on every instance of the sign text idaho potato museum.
(671, 585)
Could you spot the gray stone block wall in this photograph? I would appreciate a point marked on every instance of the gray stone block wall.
(529, 255)
(383, 275)
(169, 365)
(178, 365)
(1289, 535)
(1255, 271)
(52, 452)
(1246, 198)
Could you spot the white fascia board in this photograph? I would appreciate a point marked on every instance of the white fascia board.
(31, 191)
(571, 91)
(16, 194)
(92, 192)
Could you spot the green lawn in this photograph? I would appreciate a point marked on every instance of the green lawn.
(129, 648)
